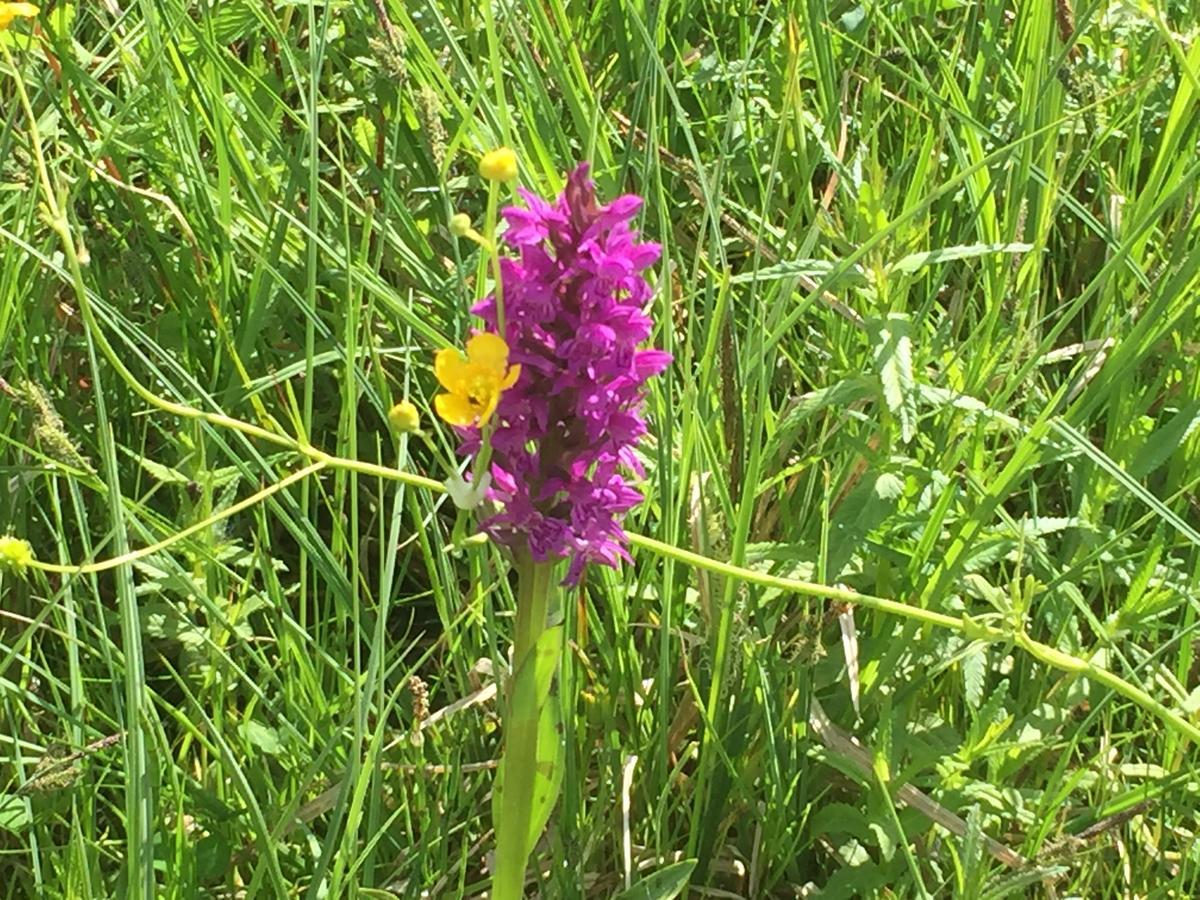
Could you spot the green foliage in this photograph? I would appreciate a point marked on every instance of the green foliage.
(929, 278)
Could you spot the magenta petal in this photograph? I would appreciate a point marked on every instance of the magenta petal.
(622, 209)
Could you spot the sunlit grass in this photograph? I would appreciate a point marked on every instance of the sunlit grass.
(929, 280)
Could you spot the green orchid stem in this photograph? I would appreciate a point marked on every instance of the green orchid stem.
(518, 764)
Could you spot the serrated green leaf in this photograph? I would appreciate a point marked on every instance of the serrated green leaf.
(162, 620)
(888, 487)
(1005, 885)
(881, 832)
(813, 268)
(162, 473)
(941, 398)
(974, 673)
(973, 852)
(836, 396)
(364, 136)
(893, 365)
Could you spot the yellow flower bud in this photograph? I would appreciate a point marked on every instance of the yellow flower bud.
(460, 224)
(405, 418)
(15, 554)
(499, 165)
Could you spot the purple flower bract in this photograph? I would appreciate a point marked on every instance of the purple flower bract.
(574, 314)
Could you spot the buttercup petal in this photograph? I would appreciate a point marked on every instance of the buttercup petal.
(451, 370)
(454, 409)
(490, 407)
(488, 351)
(10, 11)
(511, 378)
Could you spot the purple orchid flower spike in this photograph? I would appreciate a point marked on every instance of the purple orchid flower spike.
(575, 314)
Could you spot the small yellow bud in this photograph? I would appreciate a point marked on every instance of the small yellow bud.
(460, 224)
(499, 165)
(15, 554)
(405, 418)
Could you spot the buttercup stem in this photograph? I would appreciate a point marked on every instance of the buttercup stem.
(483, 458)
(493, 251)
(518, 764)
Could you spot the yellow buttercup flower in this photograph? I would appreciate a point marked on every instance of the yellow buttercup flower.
(499, 165)
(473, 383)
(10, 11)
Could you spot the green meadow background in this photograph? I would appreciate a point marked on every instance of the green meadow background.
(930, 275)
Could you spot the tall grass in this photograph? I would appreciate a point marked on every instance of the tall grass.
(929, 276)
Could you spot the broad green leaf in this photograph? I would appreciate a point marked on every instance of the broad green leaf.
(61, 18)
(213, 852)
(548, 782)
(865, 508)
(863, 880)
(226, 23)
(666, 883)
(263, 737)
(546, 657)
(548, 763)
(1164, 440)
(14, 814)
(839, 818)
(533, 683)
(916, 261)
(364, 136)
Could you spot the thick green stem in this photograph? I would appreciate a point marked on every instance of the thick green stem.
(518, 764)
